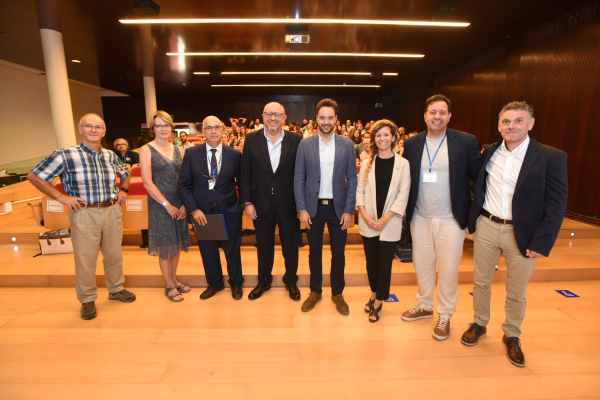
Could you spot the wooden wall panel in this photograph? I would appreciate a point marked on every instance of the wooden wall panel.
(559, 76)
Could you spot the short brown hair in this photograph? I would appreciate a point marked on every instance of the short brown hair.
(438, 97)
(328, 103)
(162, 115)
(517, 105)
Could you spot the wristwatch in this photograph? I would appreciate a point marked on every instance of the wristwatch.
(165, 203)
(126, 190)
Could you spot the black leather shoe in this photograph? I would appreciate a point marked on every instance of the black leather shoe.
(513, 350)
(236, 292)
(471, 337)
(210, 292)
(258, 291)
(294, 292)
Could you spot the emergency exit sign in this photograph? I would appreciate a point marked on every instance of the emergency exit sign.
(378, 105)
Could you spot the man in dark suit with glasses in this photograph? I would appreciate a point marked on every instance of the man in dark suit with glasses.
(208, 183)
(267, 190)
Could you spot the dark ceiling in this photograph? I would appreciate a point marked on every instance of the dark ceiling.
(111, 57)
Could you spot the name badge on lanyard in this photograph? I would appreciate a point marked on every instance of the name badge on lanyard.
(431, 176)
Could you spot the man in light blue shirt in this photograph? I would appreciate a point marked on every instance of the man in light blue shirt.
(325, 190)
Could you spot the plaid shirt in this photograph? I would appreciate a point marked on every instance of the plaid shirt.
(84, 173)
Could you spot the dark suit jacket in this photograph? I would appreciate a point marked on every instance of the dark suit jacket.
(131, 157)
(193, 185)
(464, 162)
(258, 180)
(540, 197)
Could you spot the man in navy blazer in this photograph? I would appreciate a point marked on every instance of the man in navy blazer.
(203, 194)
(442, 160)
(325, 190)
(518, 207)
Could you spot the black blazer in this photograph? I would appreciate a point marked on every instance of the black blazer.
(193, 182)
(540, 197)
(464, 163)
(259, 180)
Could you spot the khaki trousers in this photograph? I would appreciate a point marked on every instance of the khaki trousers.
(437, 241)
(92, 229)
(491, 240)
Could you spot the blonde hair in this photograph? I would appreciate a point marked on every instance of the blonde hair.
(377, 126)
(162, 115)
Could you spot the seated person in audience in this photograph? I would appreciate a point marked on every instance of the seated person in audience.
(243, 131)
(399, 149)
(384, 175)
(344, 129)
(309, 131)
(257, 124)
(401, 132)
(237, 122)
(292, 127)
(233, 140)
(172, 138)
(184, 142)
(359, 126)
(348, 125)
(355, 136)
(413, 133)
(241, 143)
(359, 148)
(251, 125)
(310, 122)
(225, 139)
(304, 122)
(368, 127)
(345, 134)
(367, 146)
(125, 155)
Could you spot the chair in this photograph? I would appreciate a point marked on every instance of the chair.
(136, 218)
(136, 172)
(54, 220)
(135, 165)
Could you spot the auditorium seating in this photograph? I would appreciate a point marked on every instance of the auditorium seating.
(135, 209)
(136, 172)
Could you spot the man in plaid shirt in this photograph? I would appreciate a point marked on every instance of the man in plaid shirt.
(88, 174)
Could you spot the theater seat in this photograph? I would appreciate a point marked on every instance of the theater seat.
(136, 172)
(60, 188)
(137, 199)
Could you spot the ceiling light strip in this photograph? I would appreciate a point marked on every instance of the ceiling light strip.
(298, 54)
(261, 85)
(295, 73)
(291, 21)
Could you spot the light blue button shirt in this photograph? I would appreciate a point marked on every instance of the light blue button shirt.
(274, 150)
(219, 156)
(326, 156)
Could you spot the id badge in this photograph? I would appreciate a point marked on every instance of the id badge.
(430, 176)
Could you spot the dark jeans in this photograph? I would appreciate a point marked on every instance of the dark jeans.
(380, 256)
(289, 233)
(337, 240)
(209, 250)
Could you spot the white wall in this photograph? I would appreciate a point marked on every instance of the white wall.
(27, 130)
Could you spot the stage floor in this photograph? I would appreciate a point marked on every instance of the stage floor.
(269, 349)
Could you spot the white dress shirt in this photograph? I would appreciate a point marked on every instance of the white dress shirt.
(274, 150)
(219, 156)
(326, 157)
(503, 172)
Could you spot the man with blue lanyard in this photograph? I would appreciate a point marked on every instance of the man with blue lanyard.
(441, 162)
(127, 156)
(88, 174)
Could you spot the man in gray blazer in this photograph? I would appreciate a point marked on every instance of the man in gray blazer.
(325, 189)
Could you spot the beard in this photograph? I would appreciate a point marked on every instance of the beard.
(326, 128)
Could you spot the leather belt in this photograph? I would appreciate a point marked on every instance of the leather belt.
(496, 219)
(102, 205)
(326, 201)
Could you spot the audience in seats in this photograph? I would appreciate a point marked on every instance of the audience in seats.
(125, 155)
(168, 233)
(225, 138)
(184, 141)
(359, 148)
(366, 144)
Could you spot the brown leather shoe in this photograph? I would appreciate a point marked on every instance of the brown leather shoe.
(88, 310)
(513, 350)
(340, 304)
(473, 334)
(311, 301)
(442, 329)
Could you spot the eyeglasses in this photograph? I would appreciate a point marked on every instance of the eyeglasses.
(92, 127)
(271, 115)
(162, 126)
(210, 129)
(121, 144)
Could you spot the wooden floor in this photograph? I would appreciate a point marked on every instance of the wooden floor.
(269, 349)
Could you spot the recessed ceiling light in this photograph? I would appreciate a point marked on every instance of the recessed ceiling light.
(298, 54)
(390, 74)
(76, 61)
(201, 73)
(295, 73)
(261, 85)
(291, 21)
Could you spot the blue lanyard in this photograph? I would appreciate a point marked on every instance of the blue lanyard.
(435, 155)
